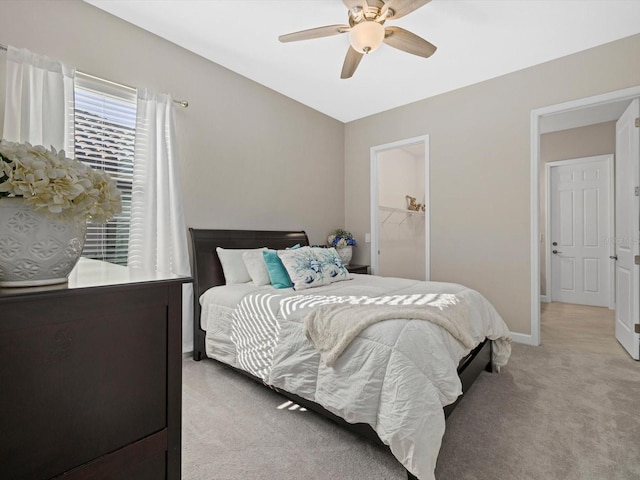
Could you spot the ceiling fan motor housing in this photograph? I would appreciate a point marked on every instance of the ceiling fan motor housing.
(371, 12)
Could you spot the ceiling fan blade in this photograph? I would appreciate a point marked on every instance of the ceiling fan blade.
(351, 4)
(351, 62)
(402, 7)
(402, 39)
(314, 33)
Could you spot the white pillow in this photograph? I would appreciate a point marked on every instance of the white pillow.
(254, 261)
(233, 265)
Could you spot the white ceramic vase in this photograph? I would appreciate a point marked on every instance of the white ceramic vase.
(36, 249)
(345, 254)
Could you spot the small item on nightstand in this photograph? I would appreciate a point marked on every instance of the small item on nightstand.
(343, 241)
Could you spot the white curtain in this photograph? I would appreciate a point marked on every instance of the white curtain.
(158, 235)
(39, 101)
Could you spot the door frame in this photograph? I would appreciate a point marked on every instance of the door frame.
(374, 227)
(536, 116)
(611, 232)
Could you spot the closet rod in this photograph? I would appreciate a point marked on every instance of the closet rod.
(182, 103)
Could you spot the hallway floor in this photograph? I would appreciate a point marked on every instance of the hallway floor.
(585, 328)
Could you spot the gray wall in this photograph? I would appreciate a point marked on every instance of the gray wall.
(589, 141)
(480, 162)
(251, 157)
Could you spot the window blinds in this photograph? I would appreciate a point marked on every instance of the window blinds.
(105, 125)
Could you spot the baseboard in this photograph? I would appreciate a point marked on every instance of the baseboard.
(187, 354)
(522, 338)
(545, 299)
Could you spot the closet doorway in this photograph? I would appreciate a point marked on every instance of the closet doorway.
(400, 209)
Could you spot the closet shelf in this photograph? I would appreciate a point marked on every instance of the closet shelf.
(388, 213)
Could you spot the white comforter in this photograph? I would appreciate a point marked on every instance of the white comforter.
(396, 375)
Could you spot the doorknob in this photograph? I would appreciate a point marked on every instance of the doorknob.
(555, 251)
(613, 257)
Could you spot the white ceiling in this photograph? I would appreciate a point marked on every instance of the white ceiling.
(476, 40)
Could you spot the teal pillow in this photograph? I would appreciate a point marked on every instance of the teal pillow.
(277, 273)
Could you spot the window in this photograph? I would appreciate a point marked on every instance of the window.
(104, 137)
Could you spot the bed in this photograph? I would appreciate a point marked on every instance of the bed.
(377, 385)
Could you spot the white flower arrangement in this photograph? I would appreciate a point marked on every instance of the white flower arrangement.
(50, 181)
(341, 238)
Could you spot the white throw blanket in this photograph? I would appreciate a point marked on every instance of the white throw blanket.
(331, 328)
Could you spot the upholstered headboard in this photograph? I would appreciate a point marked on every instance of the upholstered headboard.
(207, 269)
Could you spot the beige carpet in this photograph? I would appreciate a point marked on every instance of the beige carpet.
(563, 411)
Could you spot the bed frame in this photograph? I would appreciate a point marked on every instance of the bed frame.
(207, 273)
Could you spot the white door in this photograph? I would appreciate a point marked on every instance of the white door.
(580, 207)
(627, 228)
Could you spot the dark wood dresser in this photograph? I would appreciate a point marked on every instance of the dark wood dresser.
(90, 376)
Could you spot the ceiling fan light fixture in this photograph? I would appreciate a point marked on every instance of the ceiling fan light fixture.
(366, 37)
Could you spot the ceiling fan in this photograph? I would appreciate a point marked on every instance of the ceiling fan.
(366, 31)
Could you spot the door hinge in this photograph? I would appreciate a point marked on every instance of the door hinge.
(637, 191)
(637, 327)
(638, 122)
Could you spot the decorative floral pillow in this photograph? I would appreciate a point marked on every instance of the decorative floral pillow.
(311, 266)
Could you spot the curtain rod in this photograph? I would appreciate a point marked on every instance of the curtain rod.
(182, 103)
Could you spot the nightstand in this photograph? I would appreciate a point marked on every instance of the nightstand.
(364, 269)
